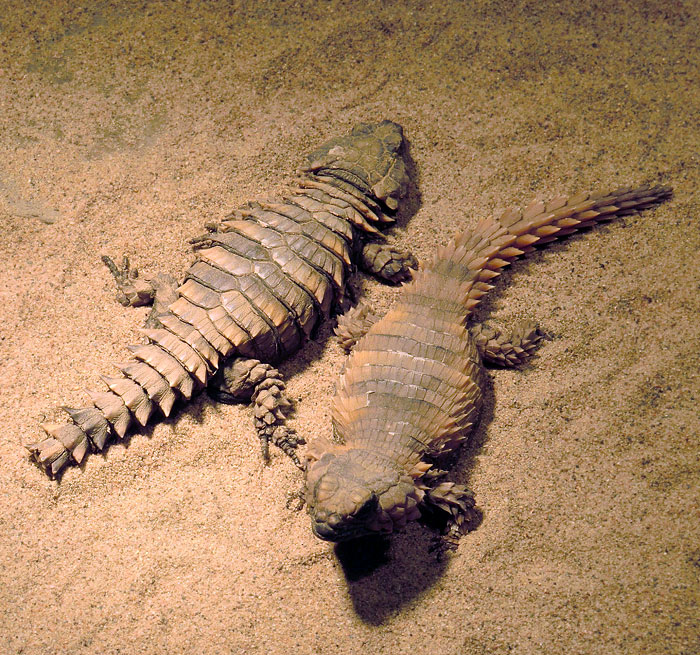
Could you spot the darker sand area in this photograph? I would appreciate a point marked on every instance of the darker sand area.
(125, 127)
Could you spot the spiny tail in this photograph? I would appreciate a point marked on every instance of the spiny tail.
(462, 270)
(167, 368)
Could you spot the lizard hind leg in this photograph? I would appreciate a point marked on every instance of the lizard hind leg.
(354, 324)
(507, 349)
(133, 291)
(387, 262)
(244, 379)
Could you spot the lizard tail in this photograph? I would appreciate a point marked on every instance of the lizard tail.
(169, 367)
(461, 272)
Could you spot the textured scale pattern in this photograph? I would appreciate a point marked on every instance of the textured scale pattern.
(412, 388)
(259, 287)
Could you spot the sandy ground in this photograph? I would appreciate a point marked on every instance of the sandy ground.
(124, 127)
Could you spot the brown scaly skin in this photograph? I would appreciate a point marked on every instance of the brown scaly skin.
(263, 281)
(411, 390)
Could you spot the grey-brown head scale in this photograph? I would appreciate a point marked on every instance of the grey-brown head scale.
(366, 159)
(349, 496)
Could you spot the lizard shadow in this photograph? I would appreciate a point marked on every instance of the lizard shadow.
(385, 574)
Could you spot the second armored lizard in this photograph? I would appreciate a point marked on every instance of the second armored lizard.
(260, 286)
(412, 388)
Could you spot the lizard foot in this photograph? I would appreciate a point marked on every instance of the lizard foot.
(245, 379)
(504, 349)
(388, 262)
(131, 291)
(296, 500)
(353, 325)
(450, 508)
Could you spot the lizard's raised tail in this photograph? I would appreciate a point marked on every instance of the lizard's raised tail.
(463, 269)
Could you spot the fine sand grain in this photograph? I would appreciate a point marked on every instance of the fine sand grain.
(126, 126)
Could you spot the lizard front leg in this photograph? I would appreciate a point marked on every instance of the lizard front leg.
(387, 262)
(449, 505)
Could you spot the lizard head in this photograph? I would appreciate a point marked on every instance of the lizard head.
(370, 159)
(349, 494)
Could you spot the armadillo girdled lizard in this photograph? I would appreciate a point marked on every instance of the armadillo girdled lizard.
(412, 388)
(261, 283)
